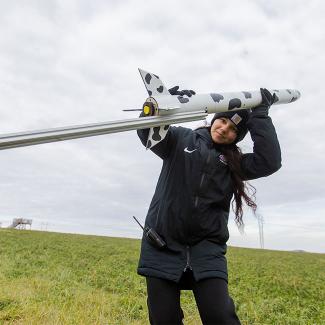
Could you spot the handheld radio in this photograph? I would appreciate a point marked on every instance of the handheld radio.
(152, 235)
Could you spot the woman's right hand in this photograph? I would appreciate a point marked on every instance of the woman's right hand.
(267, 100)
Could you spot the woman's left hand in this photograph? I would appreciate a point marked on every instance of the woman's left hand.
(175, 91)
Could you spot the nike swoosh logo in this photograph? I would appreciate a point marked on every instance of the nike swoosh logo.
(189, 151)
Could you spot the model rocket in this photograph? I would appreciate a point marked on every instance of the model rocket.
(160, 110)
(161, 103)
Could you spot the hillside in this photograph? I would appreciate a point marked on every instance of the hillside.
(53, 278)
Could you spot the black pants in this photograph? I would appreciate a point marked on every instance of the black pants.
(211, 296)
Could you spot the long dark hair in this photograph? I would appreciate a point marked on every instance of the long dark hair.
(242, 189)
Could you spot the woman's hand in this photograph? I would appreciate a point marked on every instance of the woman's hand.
(148, 109)
(175, 91)
(267, 100)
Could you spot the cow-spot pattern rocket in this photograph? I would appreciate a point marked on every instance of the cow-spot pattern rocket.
(166, 104)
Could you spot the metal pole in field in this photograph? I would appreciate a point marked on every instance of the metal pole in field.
(260, 229)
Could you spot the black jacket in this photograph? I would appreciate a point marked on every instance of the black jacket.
(190, 206)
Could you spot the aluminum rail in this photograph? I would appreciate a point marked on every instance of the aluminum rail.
(23, 139)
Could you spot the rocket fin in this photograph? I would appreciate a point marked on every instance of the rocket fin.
(156, 134)
(153, 84)
(154, 87)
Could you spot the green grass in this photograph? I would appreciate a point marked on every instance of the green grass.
(52, 278)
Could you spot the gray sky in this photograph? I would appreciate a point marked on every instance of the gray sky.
(74, 62)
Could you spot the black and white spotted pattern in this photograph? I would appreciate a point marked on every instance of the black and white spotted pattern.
(247, 94)
(234, 103)
(153, 84)
(216, 97)
(156, 134)
(212, 102)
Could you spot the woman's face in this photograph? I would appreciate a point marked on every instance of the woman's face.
(223, 131)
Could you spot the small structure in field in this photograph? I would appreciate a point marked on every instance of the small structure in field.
(20, 223)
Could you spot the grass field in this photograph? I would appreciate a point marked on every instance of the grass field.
(52, 278)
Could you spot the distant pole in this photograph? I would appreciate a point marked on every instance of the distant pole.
(260, 229)
(44, 226)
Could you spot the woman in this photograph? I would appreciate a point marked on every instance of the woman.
(202, 171)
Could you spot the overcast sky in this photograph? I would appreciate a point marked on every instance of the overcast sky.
(74, 62)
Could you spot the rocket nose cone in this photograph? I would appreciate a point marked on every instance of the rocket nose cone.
(296, 95)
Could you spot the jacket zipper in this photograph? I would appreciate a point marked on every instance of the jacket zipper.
(201, 181)
(188, 266)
